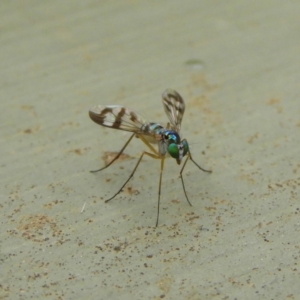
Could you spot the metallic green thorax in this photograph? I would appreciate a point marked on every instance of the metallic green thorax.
(172, 144)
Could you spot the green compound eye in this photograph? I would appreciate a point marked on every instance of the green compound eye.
(185, 147)
(173, 150)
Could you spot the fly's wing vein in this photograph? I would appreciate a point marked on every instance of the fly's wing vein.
(118, 117)
(174, 108)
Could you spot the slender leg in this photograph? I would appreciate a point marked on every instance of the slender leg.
(149, 146)
(118, 155)
(155, 155)
(190, 156)
(132, 173)
(183, 181)
(181, 177)
(162, 160)
(159, 187)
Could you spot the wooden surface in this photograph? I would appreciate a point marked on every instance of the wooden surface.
(237, 66)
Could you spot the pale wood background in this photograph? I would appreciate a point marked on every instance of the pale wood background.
(237, 66)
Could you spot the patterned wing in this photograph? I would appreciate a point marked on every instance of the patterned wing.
(118, 117)
(174, 108)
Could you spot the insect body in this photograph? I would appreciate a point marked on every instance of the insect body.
(168, 139)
